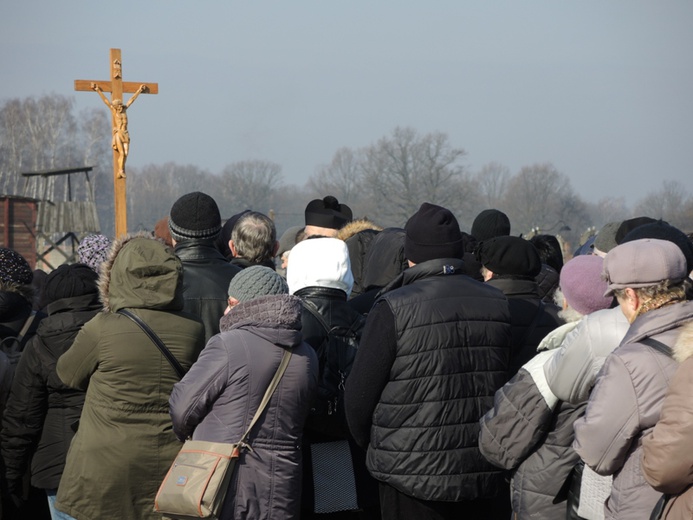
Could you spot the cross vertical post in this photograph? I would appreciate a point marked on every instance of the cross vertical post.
(121, 137)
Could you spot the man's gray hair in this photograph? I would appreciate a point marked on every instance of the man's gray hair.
(254, 237)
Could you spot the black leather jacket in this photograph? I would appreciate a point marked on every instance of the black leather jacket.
(206, 277)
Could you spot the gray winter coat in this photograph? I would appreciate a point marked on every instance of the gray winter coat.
(217, 398)
(625, 405)
(572, 372)
(530, 432)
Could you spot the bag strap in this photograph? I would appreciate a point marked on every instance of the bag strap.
(286, 357)
(313, 309)
(27, 326)
(657, 345)
(156, 340)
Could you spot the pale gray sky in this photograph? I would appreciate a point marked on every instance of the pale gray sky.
(602, 89)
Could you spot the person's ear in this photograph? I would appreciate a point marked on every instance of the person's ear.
(232, 302)
(232, 247)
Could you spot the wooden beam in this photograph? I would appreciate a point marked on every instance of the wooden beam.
(129, 87)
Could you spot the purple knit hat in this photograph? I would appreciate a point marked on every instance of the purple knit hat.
(93, 250)
(582, 284)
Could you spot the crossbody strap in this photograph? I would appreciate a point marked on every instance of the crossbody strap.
(156, 340)
(313, 309)
(268, 393)
(657, 345)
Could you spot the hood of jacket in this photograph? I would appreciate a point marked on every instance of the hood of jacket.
(14, 309)
(385, 259)
(141, 272)
(275, 318)
(356, 226)
(323, 262)
(683, 349)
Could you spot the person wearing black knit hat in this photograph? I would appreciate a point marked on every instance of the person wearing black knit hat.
(434, 328)
(490, 223)
(326, 216)
(195, 224)
(511, 265)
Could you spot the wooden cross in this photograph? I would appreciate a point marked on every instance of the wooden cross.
(121, 138)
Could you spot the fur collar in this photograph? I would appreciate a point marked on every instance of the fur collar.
(356, 226)
(684, 344)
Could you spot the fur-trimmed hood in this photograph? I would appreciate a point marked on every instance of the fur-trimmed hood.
(684, 344)
(141, 272)
(356, 226)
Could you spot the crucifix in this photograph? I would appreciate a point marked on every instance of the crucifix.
(121, 138)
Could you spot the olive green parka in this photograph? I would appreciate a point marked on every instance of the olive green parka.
(125, 443)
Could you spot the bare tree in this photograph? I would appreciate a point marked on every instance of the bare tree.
(36, 134)
(492, 179)
(670, 203)
(406, 169)
(342, 177)
(608, 209)
(540, 199)
(249, 185)
(152, 190)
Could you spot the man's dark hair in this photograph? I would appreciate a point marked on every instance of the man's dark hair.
(549, 250)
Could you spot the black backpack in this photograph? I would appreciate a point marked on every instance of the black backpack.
(336, 357)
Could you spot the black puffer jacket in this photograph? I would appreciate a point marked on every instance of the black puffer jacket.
(41, 409)
(523, 298)
(450, 353)
(206, 277)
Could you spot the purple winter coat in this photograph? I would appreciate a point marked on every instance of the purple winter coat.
(217, 398)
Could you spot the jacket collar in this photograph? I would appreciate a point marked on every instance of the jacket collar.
(513, 288)
(437, 267)
(683, 349)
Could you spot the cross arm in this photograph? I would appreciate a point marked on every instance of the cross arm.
(129, 87)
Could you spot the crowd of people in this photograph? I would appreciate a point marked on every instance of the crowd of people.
(434, 373)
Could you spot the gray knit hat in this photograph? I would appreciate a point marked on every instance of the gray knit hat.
(255, 281)
(194, 216)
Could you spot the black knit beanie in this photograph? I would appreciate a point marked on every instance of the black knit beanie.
(70, 280)
(327, 213)
(511, 256)
(432, 232)
(194, 216)
(490, 223)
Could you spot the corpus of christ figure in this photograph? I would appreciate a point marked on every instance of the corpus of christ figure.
(121, 137)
